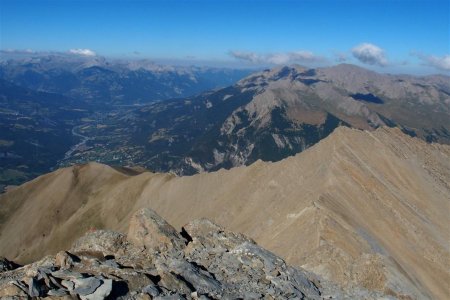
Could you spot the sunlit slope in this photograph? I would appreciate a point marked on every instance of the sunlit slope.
(364, 209)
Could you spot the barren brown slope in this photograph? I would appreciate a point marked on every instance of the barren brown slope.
(365, 209)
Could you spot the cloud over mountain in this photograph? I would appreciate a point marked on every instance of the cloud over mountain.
(370, 54)
(277, 58)
(441, 63)
(83, 52)
(17, 51)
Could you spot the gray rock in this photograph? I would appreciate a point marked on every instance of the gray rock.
(111, 263)
(201, 280)
(173, 282)
(55, 283)
(270, 261)
(152, 290)
(35, 288)
(101, 292)
(57, 293)
(69, 285)
(301, 282)
(86, 286)
(241, 266)
(66, 274)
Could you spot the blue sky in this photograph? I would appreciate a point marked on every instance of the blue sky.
(393, 36)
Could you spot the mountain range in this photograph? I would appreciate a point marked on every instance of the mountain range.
(62, 110)
(113, 82)
(365, 209)
(268, 115)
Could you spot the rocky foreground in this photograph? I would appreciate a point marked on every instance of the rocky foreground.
(154, 261)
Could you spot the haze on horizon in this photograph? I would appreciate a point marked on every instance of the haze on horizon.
(386, 36)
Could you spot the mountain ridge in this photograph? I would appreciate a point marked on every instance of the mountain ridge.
(330, 200)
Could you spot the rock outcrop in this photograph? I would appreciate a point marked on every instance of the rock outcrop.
(155, 262)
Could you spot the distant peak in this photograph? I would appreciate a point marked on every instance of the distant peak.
(278, 73)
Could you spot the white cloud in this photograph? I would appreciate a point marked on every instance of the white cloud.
(83, 52)
(441, 63)
(276, 58)
(18, 51)
(370, 54)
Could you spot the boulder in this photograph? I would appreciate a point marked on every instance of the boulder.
(100, 243)
(148, 230)
(64, 259)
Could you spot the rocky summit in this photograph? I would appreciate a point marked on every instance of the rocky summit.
(154, 261)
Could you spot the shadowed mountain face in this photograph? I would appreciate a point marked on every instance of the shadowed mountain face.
(365, 209)
(269, 115)
(46, 100)
(35, 131)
